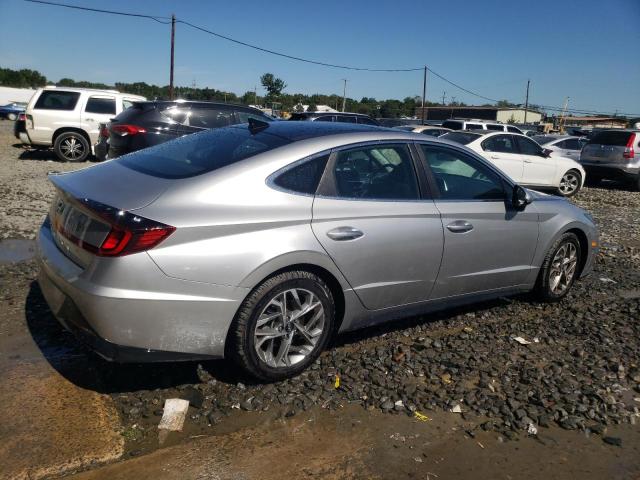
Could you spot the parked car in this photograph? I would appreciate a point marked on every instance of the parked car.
(562, 145)
(465, 124)
(67, 119)
(258, 242)
(424, 129)
(613, 154)
(524, 160)
(333, 117)
(146, 124)
(10, 111)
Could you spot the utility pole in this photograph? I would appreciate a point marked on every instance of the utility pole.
(344, 94)
(424, 92)
(526, 103)
(255, 95)
(444, 94)
(564, 114)
(173, 37)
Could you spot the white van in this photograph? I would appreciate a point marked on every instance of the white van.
(68, 119)
(472, 124)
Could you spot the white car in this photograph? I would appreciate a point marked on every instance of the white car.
(524, 160)
(68, 119)
(562, 145)
(467, 124)
(429, 130)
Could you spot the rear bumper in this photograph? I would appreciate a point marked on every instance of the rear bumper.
(612, 170)
(170, 319)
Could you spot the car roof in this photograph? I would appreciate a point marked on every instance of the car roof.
(198, 103)
(301, 130)
(90, 90)
(331, 113)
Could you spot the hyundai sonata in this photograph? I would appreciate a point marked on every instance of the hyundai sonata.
(259, 242)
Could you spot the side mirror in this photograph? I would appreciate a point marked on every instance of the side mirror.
(546, 152)
(521, 197)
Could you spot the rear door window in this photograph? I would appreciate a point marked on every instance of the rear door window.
(474, 126)
(500, 143)
(175, 113)
(57, 100)
(514, 130)
(201, 117)
(325, 118)
(367, 121)
(492, 126)
(462, 138)
(104, 105)
(346, 119)
(451, 125)
(381, 172)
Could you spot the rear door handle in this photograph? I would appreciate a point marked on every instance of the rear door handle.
(460, 226)
(495, 157)
(340, 234)
(528, 161)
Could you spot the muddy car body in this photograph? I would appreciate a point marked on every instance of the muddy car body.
(247, 241)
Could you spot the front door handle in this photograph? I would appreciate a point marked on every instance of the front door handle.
(460, 226)
(344, 233)
(495, 157)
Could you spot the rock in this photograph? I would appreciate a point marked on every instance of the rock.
(194, 397)
(615, 441)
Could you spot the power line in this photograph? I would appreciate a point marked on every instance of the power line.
(161, 19)
(157, 18)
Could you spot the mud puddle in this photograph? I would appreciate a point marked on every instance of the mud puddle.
(16, 250)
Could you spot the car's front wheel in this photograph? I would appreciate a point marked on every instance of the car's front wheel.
(12, 116)
(282, 326)
(559, 269)
(570, 183)
(71, 147)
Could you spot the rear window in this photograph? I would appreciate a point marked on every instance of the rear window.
(452, 125)
(491, 126)
(462, 138)
(200, 153)
(304, 177)
(618, 139)
(57, 100)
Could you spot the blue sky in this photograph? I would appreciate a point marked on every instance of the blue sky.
(586, 50)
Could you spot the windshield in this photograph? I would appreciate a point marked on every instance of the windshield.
(461, 137)
(615, 138)
(203, 152)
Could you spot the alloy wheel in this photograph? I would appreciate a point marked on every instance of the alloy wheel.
(72, 148)
(289, 328)
(569, 183)
(563, 268)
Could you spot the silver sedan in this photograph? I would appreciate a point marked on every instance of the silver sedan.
(259, 242)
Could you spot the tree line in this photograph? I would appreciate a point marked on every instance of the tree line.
(274, 87)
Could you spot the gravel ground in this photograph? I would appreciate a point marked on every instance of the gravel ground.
(580, 372)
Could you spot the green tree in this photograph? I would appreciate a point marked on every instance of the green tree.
(274, 86)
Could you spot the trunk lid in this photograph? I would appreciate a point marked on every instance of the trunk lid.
(606, 147)
(77, 193)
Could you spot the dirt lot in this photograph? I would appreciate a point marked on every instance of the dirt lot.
(578, 386)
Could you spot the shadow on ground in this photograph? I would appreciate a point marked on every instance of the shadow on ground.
(81, 366)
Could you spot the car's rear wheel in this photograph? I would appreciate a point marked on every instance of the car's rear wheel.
(570, 183)
(71, 147)
(559, 269)
(282, 326)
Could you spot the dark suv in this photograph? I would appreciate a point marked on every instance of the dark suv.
(334, 117)
(145, 124)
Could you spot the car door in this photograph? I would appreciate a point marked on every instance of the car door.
(98, 109)
(502, 151)
(488, 245)
(539, 169)
(377, 226)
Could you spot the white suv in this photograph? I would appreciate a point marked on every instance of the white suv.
(524, 160)
(68, 119)
(466, 124)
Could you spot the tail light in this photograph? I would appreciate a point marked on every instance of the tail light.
(125, 129)
(104, 131)
(127, 233)
(628, 150)
(22, 117)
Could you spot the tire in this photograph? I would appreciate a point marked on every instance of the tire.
(71, 147)
(636, 183)
(263, 357)
(546, 287)
(12, 116)
(570, 183)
